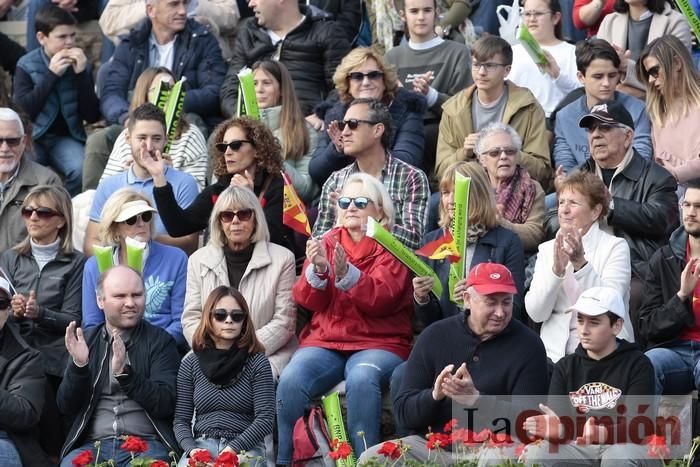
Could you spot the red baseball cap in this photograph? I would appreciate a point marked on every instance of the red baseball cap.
(490, 278)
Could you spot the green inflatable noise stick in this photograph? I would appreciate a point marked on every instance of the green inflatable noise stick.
(336, 427)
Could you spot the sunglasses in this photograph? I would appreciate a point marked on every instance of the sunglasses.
(654, 71)
(353, 123)
(235, 145)
(242, 214)
(12, 142)
(41, 213)
(603, 127)
(360, 202)
(237, 316)
(359, 76)
(496, 152)
(5, 303)
(145, 216)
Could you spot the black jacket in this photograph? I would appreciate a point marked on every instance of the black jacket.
(22, 392)
(150, 381)
(663, 315)
(311, 52)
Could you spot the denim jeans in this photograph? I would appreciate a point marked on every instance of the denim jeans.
(64, 154)
(313, 371)
(9, 457)
(254, 457)
(110, 449)
(676, 366)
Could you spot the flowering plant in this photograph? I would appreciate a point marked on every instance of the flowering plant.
(133, 445)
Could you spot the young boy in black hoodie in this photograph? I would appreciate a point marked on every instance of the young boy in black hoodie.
(590, 385)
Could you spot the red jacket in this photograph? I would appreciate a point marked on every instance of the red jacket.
(374, 314)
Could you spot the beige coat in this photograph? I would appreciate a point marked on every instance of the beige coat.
(267, 287)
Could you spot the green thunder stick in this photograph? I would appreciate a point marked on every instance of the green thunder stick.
(460, 223)
(173, 111)
(103, 256)
(134, 253)
(159, 96)
(336, 427)
(247, 102)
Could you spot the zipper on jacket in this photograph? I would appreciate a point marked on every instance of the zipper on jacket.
(165, 440)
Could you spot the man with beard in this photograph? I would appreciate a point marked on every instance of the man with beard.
(146, 136)
(18, 175)
(670, 312)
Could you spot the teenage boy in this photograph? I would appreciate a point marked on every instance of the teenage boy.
(599, 71)
(592, 382)
(54, 86)
(491, 98)
(429, 65)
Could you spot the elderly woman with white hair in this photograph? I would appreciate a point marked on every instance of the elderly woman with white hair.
(360, 328)
(240, 255)
(519, 198)
(130, 214)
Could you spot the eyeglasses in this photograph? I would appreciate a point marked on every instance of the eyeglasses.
(145, 216)
(360, 202)
(535, 14)
(654, 71)
(5, 303)
(488, 66)
(359, 76)
(41, 213)
(604, 127)
(237, 316)
(235, 145)
(242, 214)
(496, 152)
(353, 123)
(12, 142)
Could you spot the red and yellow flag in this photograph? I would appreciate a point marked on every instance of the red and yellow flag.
(443, 247)
(293, 210)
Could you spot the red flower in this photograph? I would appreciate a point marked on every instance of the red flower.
(438, 440)
(159, 464)
(134, 444)
(390, 450)
(83, 459)
(334, 443)
(450, 425)
(201, 456)
(342, 451)
(657, 446)
(465, 437)
(226, 459)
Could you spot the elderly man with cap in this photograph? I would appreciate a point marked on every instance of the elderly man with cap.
(22, 386)
(458, 359)
(601, 375)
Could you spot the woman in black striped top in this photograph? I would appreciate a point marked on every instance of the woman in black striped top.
(227, 382)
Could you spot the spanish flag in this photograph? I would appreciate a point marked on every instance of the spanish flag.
(293, 210)
(443, 247)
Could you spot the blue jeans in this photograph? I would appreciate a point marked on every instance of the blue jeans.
(676, 366)
(9, 457)
(64, 154)
(313, 371)
(110, 450)
(254, 457)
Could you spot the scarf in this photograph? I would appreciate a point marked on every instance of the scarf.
(516, 196)
(475, 232)
(222, 367)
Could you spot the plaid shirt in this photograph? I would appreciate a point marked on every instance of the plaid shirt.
(408, 188)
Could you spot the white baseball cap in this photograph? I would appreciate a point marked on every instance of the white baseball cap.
(133, 208)
(598, 301)
(5, 285)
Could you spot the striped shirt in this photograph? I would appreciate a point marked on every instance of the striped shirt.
(189, 154)
(242, 413)
(408, 188)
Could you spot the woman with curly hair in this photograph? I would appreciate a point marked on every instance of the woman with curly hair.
(244, 153)
(364, 73)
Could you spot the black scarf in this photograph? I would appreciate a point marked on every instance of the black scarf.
(222, 367)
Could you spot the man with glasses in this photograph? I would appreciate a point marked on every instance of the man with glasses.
(18, 175)
(493, 99)
(146, 137)
(366, 134)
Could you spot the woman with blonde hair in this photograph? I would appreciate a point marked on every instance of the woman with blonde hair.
(673, 104)
(487, 242)
(130, 214)
(363, 73)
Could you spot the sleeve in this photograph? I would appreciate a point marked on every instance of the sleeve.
(410, 140)
(184, 404)
(229, 88)
(88, 103)
(92, 315)
(413, 210)
(178, 221)
(202, 94)
(315, 299)
(98, 201)
(326, 159)
(535, 152)
(22, 399)
(114, 89)
(349, 18)
(566, 81)
(563, 155)
(616, 273)
(58, 316)
(187, 190)
(298, 170)
(642, 132)
(223, 13)
(336, 46)
(531, 233)
(576, 16)
(192, 312)
(29, 96)
(71, 393)
(177, 298)
(460, 78)
(263, 386)
(273, 209)
(326, 212)
(12, 52)
(429, 312)
(279, 330)
(515, 262)
(544, 288)
(458, 12)
(642, 381)
(450, 145)
(120, 16)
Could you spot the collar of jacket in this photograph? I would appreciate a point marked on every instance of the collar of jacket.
(634, 170)
(214, 259)
(142, 32)
(678, 241)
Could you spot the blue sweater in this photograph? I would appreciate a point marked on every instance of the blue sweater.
(571, 141)
(165, 276)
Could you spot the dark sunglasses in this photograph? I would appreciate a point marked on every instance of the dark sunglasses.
(496, 152)
(145, 216)
(360, 202)
(353, 123)
(654, 71)
(242, 214)
(359, 76)
(235, 145)
(12, 142)
(237, 316)
(5, 303)
(603, 127)
(41, 213)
